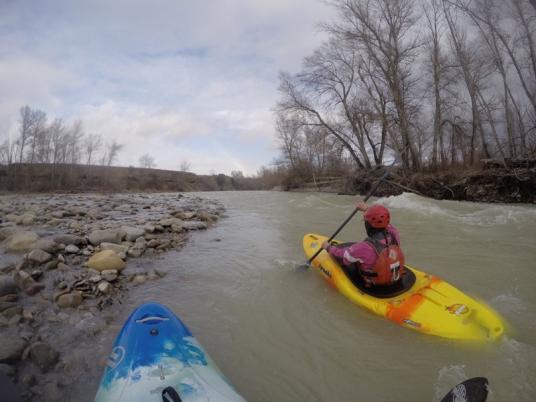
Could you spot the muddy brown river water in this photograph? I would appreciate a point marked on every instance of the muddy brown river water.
(281, 335)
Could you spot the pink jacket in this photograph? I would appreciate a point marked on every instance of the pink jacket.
(362, 252)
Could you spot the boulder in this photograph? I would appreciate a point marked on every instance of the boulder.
(195, 225)
(28, 220)
(171, 221)
(16, 219)
(7, 285)
(137, 250)
(49, 246)
(207, 217)
(4, 305)
(69, 300)
(79, 211)
(132, 233)
(106, 288)
(19, 241)
(106, 259)
(12, 348)
(43, 355)
(70, 239)
(72, 249)
(108, 235)
(8, 231)
(184, 215)
(39, 256)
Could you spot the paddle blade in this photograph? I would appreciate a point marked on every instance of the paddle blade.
(471, 390)
(303, 266)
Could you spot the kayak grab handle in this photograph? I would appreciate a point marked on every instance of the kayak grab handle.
(155, 318)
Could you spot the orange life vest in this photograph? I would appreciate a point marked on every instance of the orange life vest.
(389, 266)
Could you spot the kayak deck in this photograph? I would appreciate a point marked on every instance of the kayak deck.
(429, 305)
(156, 350)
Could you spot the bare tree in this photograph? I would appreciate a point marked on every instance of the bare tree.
(26, 120)
(307, 151)
(330, 74)
(44, 147)
(37, 132)
(237, 174)
(363, 89)
(111, 152)
(386, 31)
(289, 135)
(507, 27)
(237, 179)
(358, 85)
(7, 152)
(57, 133)
(92, 143)
(435, 64)
(147, 161)
(295, 101)
(185, 166)
(474, 68)
(74, 138)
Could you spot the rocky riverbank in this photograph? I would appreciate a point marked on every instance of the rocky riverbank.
(66, 263)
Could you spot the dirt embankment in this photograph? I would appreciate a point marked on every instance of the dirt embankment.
(493, 184)
(26, 177)
(513, 182)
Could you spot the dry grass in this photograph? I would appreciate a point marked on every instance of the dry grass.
(24, 177)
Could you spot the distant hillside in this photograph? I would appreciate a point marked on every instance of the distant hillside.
(26, 177)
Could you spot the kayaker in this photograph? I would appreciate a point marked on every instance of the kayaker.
(378, 259)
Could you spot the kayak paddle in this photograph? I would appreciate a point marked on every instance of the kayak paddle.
(372, 190)
(471, 390)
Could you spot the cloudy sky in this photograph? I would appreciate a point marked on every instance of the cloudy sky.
(180, 80)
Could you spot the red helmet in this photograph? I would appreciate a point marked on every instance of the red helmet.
(377, 216)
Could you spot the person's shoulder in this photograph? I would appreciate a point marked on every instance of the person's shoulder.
(392, 229)
(365, 244)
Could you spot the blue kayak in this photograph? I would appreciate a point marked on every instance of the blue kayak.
(155, 356)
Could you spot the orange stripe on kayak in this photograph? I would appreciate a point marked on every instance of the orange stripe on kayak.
(433, 280)
(404, 311)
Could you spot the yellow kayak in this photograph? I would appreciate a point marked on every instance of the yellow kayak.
(419, 301)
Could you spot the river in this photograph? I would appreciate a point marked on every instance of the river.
(281, 335)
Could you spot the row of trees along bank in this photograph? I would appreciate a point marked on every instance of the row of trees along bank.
(52, 155)
(41, 141)
(451, 81)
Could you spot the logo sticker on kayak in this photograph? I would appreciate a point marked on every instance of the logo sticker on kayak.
(411, 322)
(313, 245)
(325, 271)
(115, 358)
(459, 393)
(457, 309)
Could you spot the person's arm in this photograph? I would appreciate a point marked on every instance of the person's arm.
(334, 251)
(351, 254)
(362, 206)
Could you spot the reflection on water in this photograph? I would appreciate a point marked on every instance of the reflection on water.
(285, 336)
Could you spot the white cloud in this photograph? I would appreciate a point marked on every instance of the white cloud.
(179, 80)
